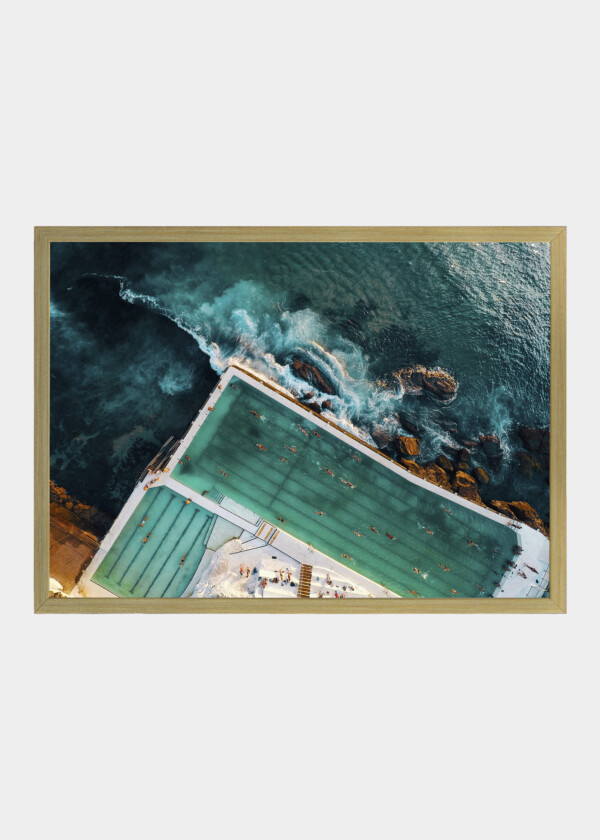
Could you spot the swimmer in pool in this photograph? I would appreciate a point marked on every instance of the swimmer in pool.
(319, 513)
(328, 471)
(390, 536)
(256, 414)
(316, 434)
(182, 561)
(291, 448)
(371, 528)
(356, 458)
(223, 473)
(470, 542)
(358, 534)
(143, 522)
(284, 459)
(261, 447)
(427, 530)
(447, 510)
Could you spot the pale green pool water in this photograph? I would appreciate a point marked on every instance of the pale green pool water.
(134, 569)
(297, 487)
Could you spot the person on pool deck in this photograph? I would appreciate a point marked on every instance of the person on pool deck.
(241, 570)
(248, 571)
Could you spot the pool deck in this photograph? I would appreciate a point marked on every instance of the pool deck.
(535, 546)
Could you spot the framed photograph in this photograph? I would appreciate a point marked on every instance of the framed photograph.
(300, 420)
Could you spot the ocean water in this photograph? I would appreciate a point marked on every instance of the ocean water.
(139, 333)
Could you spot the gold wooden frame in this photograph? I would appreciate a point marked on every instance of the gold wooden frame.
(556, 236)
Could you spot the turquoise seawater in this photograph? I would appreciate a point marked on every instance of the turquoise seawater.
(140, 331)
(427, 553)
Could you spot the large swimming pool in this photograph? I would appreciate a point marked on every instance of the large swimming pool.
(427, 552)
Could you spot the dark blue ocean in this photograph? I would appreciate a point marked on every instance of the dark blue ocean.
(139, 333)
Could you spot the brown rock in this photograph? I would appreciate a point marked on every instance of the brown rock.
(382, 438)
(466, 486)
(480, 475)
(502, 507)
(536, 440)
(312, 375)
(464, 454)
(327, 404)
(436, 475)
(408, 424)
(528, 464)
(414, 468)
(526, 514)
(407, 446)
(462, 466)
(418, 378)
(492, 449)
(444, 463)
(314, 406)
(470, 443)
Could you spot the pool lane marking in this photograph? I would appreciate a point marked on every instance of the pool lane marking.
(158, 546)
(211, 518)
(120, 554)
(170, 554)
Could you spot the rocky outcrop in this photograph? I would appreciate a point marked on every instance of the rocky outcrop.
(435, 381)
(528, 463)
(311, 374)
(521, 511)
(535, 440)
(526, 514)
(383, 440)
(69, 510)
(436, 475)
(431, 473)
(492, 450)
(465, 485)
(445, 463)
(408, 423)
(502, 507)
(480, 475)
(407, 447)
(462, 466)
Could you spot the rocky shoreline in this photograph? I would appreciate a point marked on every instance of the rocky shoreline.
(76, 530)
(452, 469)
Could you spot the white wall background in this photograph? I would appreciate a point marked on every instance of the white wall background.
(304, 113)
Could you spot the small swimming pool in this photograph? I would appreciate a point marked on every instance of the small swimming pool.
(278, 463)
(144, 561)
